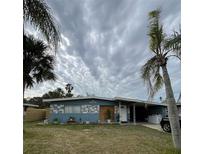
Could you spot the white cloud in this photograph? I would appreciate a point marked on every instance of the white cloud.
(105, 43)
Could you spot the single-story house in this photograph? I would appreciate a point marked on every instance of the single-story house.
(26, 106)
(102, 110)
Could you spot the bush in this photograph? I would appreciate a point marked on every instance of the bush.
(56, 121)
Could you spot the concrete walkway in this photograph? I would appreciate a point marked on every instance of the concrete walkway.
(150, 125)
(146, 124)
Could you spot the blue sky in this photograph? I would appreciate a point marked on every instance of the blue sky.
(105, 43)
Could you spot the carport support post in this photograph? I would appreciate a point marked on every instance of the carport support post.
(134, 114)
(119, 112)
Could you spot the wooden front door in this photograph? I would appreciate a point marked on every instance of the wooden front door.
(105, 111)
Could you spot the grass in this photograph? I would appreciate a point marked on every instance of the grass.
(89, 139)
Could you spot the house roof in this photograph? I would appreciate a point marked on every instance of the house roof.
(115, 99)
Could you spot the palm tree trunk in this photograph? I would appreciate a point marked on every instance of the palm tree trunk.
(172, 110)
(24, 112)
(23, 88)
(24, 85)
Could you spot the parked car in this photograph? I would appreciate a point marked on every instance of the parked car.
(165, 124)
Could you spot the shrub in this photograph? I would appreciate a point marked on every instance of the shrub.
(56, 121)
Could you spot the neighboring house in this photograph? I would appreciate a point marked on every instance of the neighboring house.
(102, 110)
(34, 113)
(26, 106)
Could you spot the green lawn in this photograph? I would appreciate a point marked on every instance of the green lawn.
(89, 139)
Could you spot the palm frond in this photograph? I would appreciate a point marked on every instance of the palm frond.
(147, 71)
(38, 64)
(28, 81)
(173, 43)
(150, 73)
(148, 68)
(158, 81)
(156, 33)
(38, 14)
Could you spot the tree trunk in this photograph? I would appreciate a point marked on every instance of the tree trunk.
(24, 85)
(172, 110)
(24, 110)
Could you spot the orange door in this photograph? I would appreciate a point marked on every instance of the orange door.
(106, 112)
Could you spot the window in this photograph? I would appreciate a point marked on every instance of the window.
(72, 109)
(76, 109)
(68, 109)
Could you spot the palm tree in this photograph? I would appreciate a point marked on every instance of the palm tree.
(38, 14)
(38, 64)
(69, 89)
(152, 69)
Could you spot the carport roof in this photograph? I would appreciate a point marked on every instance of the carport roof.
(138, 102)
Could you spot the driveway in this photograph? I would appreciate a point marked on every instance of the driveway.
(150, 125)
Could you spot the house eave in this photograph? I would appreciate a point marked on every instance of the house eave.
(30, 105)
(77, 98)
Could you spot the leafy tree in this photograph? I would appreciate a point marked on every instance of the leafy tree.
(38, 64)
(151, 71)
(68, 95)
(38, 101)
(25, 100)
(38, 14)
(57, 93)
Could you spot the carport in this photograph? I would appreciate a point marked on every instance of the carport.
(137, 110)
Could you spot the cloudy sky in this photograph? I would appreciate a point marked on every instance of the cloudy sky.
(105, 43)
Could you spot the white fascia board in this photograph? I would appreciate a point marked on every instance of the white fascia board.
(30, 105)
(76, 98)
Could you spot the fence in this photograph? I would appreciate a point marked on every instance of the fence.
(33, 114)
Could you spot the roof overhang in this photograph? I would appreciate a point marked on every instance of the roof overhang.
(137, 102)
(30, 105)
(77, 98)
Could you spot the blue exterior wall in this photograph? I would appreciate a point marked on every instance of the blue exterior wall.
(79, 117)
